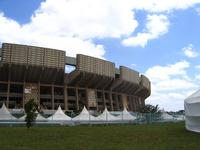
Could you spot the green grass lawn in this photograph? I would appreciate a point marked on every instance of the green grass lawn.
(165, 136)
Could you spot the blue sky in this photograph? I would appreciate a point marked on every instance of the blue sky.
(157, 38)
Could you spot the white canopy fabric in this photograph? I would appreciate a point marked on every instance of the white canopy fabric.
(166, 116)
(38, 118)
(22, 118)
(106, 116)
(59, 115)
(5, 114)
(125, 115)
(180, 117)
(84, 116)
(192, 112)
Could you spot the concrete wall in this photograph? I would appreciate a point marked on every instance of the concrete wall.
(129, 75)
(31, 55)
(145, 82)
(95, 65)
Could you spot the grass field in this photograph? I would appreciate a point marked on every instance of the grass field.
(166, 136)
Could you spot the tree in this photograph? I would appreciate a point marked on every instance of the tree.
(30, 109)
(150, 113)
(149, 109)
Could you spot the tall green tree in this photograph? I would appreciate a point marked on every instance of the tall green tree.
(30, 109)
(150, 113)
(149, 109)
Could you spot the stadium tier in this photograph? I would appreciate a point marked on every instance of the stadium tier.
(29, 72)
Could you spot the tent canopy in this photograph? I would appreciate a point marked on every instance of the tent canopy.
(192, 112)
(23, 118)
(106, 116)
(125, 115)
(166, 116)
(59, 115)
(192, 104)
(38, 118)
(194, 98)
(5, 114)
(84, 115)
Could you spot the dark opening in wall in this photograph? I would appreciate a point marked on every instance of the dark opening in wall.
(3, 87)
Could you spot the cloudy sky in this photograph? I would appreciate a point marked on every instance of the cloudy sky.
(158, 38)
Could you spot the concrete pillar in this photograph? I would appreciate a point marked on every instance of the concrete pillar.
(111, 100)
(39, 95)
(8, 94)
(104, 99)
(52, 96)
(65, 97)
(97, 106)
(87, 101)
(77, 99)
(23, 103)
(117, 101)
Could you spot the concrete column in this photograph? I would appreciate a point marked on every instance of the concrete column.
(120, 100)
(97, 107)
(65, 97)
(52, 96)
(39, 95)
(8, 89)
(104, 99)
(86, 101)
(131, 102)
(23, 96)
(136, 101)
(8, 94)
(111, 100)
(117, 101)
(77, 99)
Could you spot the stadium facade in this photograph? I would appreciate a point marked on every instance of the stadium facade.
(29, 72)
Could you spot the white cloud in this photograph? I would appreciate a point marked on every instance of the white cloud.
(163, 5)
(156, 26)
(170, 85)
(133, 65)
(161, 73)
(11, 31)
(197, 77)
(189, 51)
(198, 10)
(73, 24)
(84, 19)
(197, 67)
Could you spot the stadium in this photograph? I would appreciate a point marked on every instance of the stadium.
(29, 72)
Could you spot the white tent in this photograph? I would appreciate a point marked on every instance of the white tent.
(106, 116)
(59, 115)
(38, 118)
(180, 117)
(166, 116)
(5, 114)
(125, 115)
(22, 118)
(84, 116)
(192, 112)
